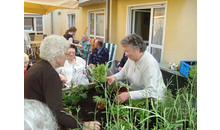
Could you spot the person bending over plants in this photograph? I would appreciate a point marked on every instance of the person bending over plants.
(141, 70)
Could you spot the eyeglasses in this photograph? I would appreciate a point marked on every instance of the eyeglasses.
(66, 54)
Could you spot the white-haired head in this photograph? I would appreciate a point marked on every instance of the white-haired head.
(85, 36)
(37, 116)
(53, 46)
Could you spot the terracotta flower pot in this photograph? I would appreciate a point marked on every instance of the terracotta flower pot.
(120, 90)
(101, 105)
(120, 118)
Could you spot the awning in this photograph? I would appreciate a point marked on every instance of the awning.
(46, 6)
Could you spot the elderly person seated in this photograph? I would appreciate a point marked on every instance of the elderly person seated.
(141, 70)
(83, 52)
(42, 82)
(100, 54)
(72, 73)
(121, 63)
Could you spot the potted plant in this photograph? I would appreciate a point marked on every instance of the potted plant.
(73, 96)
(121, 87)
(100, 102)
(98, 75)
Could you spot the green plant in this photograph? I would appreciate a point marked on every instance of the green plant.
(99, 73)
(73, 96)
(100, 102)
(99, 99)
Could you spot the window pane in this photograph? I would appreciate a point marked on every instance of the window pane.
(158, 27)
(156, 53)
(100, 24)
(39, 23)
(28, 23)
(92, 23)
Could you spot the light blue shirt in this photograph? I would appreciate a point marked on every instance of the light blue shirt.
(99, 49)
(86, 48)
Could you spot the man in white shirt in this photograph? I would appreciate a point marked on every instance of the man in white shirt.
(141, 70)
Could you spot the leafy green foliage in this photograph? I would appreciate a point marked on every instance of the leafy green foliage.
(99, 73)
(74, 95)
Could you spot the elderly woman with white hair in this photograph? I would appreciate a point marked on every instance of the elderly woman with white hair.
(43, 83)
(86, 49)
(37, 116)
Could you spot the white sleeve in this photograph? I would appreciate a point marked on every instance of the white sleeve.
(121, 74)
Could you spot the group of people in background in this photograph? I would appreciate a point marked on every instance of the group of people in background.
(61, 67)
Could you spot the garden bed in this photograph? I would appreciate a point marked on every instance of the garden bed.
(88, 109)
(176, 111)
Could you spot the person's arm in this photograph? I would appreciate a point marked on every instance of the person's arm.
(121, 75)
(105, 57)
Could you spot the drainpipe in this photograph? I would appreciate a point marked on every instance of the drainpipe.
(107, 21)
(51, 14)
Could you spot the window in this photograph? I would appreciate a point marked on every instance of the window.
(96, 24)
(71, 20)
(33, 23)
(148, 21)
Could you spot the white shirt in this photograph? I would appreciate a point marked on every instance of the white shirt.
(69, 68)
(145, 77)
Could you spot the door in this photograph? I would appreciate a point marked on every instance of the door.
(141, 23)
(148, 21)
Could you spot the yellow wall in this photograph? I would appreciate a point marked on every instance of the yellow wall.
(180, 41)
(181, 31)
(81, 19)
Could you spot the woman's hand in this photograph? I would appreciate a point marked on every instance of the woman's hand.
(63, 78)
(119, 69)
(91, 65)
(110, 79)
(92, 125)
(122, 97)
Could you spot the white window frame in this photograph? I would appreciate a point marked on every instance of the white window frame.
(148, 6)
(29, 15)
(68, 21)
(95, 11)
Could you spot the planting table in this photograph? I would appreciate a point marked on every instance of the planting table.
(178, 80)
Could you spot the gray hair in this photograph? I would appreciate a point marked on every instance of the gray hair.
(37, 116)
(134, 41)
(85, 36)
(53, 46)
(26, 57)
